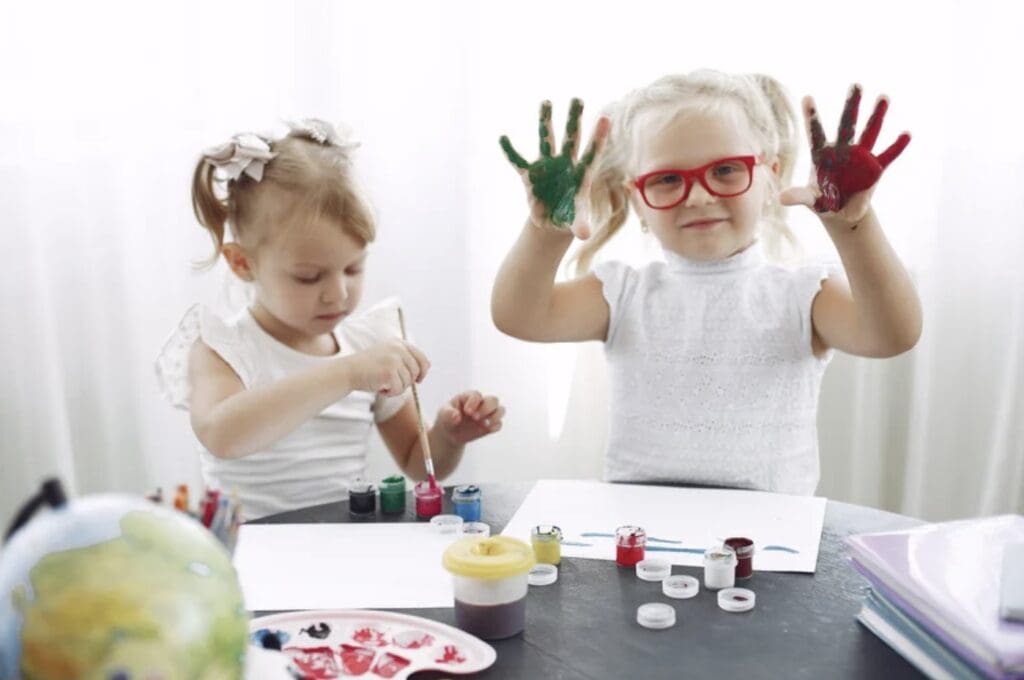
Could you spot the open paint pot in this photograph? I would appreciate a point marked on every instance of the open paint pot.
(362, 499)
(744, 549)
(428, 500)
(490, 579)
(392, 495)
(629, 545)
(546, 540)
(466, 502)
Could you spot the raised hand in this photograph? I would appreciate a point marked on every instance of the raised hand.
(844, 170)
(468, 416)
(557, 183)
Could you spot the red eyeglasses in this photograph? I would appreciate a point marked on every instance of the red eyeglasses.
(725, 177)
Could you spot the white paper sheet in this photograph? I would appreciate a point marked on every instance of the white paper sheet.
(786, 530)
(342, 566)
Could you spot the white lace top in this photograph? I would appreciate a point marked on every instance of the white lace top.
(713, 379)
(314, 463)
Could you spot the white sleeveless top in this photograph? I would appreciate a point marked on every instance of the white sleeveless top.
(713, 379)
(312, 464)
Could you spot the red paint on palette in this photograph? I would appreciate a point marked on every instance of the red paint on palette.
(451, 654)
(389, 665)
(317, 663)
(413, 639)
(377, 644)
(370, 636)
(355, 660)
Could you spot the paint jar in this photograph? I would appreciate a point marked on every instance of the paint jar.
(546, 540)
(744, 549)
(719, 568)
(629, 545)
(362, 499)
(490, 579)
(392, 495)
(428, 500)
(466, 502)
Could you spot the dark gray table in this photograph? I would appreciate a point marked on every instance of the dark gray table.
(584, 626)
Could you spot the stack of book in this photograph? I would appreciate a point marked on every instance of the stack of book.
(934, 596)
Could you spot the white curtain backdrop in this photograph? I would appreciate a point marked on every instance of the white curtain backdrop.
(105, 107)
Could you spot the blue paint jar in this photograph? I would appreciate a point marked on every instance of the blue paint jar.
(466, 502)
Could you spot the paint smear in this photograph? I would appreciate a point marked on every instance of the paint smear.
(389, 665)
(355, 660)
(413, 639)
(594, 534)
(370, 636)
(320, 631)
(317, 663)
(451, 654)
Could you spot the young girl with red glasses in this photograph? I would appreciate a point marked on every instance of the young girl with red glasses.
(283, 394)
(716, 354)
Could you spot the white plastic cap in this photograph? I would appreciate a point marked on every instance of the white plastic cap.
(656, 615)
(542, 574)
(653, 570)
(680, 587)
(736, 599)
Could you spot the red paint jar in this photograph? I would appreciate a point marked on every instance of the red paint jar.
(428, 500)
(744, 549)
(629, 545)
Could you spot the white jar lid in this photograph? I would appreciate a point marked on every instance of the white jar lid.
(736, 599)
(680, 587)
(656, 615)
(542, 574)
(446, 524)
(476, 529)
(653, 570)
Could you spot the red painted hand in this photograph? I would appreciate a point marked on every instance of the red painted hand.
(842, 169)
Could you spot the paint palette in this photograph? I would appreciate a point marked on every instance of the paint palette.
(349, 643)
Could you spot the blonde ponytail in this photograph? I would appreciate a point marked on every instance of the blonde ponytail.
(210, 211)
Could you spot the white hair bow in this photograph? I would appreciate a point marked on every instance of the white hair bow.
(246, 153)
(322, 132)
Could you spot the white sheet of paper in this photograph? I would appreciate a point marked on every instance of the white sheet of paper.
(692, 519)
(342, 566)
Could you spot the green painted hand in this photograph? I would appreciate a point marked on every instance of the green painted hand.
(555, 181)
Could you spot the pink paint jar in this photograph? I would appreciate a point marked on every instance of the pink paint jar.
(428, 500)
(629, 545)
(744, 549)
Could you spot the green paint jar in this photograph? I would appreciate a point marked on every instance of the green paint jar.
(392, 495)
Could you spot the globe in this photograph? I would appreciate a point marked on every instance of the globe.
(113, 587)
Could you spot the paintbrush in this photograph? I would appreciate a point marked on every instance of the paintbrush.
(428, 462)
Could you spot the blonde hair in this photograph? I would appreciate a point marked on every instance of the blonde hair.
(763, 103)
(317, 177)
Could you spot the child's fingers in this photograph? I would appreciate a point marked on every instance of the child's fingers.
(494, 420)
(513, 156)
(451, 416)
(470, 402)
(798, 196)
(488, 406)
(417, 362)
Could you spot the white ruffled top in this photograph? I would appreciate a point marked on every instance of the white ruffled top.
(314, 463)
